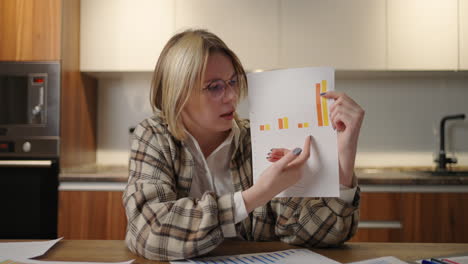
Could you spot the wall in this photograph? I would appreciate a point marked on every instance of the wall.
(400, 127)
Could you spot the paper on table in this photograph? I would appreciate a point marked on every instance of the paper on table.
(30, 261)
(291, 256)
(382, 260)
(25, 250)
(285, 107)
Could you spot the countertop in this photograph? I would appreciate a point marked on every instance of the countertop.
(366, 176)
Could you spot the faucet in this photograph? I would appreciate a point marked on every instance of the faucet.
(442, 161)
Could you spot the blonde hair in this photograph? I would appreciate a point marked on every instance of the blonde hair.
(180, 71)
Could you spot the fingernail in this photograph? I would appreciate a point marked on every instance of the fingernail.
(297, 151)
(322, 94)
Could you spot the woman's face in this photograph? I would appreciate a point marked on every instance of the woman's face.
(212, 110)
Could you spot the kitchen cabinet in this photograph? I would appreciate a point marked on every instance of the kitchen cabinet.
(347, 35)
(435, 217)
(91, 215)
(48, 30)
(249, 28)
(463, 31)
(413, 217)
(380, 218)
(422, 35)
(30, 30)
(124, 35)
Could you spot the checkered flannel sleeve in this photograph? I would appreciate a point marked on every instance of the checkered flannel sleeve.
(162, 226)
(308, 222)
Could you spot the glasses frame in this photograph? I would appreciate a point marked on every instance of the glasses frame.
(227, 83)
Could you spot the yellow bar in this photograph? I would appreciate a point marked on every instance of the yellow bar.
(306, 124)
(285, 123)
(324, 104)
(267, 127)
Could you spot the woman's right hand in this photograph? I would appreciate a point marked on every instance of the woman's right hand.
(282, 174)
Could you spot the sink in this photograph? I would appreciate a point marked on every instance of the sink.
(443, 173)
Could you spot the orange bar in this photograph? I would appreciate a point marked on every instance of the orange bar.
(299, 125)
(262, 128)
(319, 105)
(280, 123)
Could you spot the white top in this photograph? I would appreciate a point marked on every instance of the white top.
(219, 179)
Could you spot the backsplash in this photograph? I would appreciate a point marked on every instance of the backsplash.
(400, 127)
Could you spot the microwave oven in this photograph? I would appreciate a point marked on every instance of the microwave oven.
(29, 109)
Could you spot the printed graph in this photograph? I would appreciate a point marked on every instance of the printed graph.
(265, 127)
(279, 257)
(283, 123)
(321, 104)
(302, 125)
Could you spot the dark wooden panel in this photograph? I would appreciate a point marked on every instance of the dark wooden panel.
(30, 30)
(435, 217)
(78, 98)
(377, 235)
(380, 206)
(91, 215)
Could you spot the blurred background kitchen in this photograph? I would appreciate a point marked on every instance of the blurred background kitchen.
(404, 61)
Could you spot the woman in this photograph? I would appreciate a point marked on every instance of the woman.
(190, 180)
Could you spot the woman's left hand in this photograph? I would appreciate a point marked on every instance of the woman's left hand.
(346, 117)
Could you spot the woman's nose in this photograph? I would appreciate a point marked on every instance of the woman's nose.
(229, 94)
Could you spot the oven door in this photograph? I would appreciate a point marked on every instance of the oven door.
(29, 199)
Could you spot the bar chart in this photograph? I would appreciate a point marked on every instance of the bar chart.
(296, 256)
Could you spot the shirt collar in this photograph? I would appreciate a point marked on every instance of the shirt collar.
(233, 135)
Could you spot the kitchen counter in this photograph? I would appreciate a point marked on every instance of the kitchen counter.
(366, 176)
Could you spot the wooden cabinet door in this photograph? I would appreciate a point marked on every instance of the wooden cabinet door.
(435, 217)
(91, 215)
(349, 35)
(30, 30)
(380, 218)
(249, 28)
(422, 35)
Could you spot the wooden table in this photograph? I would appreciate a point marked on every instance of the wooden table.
(116, 251)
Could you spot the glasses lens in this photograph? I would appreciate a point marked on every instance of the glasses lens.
(216, 88)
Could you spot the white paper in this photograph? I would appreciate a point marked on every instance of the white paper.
(291, 94)
(25, 250)
(382, 260)
(291, 256)
(30, 261)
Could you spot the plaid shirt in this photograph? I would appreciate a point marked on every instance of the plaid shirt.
(164, 223)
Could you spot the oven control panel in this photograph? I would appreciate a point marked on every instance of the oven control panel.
(7, 147)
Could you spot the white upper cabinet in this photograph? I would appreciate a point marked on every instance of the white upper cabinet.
(463, 11)
(422, 34)
(347, 35)
(249, 28)
(124, 35)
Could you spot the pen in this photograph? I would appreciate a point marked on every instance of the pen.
(450, 261)
(427, 262)
(438, 261)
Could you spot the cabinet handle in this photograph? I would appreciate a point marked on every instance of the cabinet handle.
(26, 163)
(380, 224)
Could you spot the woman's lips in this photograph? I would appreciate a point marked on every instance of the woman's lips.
(228, 116)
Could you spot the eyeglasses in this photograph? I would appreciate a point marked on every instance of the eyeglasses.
(217, 88)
